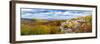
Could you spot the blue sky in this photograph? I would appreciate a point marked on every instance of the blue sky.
(40, 13)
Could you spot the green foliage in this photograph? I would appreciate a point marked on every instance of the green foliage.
(25, 29)
(88, 19)
(54, 29)
(40, 29)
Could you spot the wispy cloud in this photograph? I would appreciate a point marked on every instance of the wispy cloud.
(52, 13)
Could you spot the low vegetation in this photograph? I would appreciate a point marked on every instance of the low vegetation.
(43, 26)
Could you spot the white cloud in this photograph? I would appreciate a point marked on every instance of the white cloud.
(40, 13)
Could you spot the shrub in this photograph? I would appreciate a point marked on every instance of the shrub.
(40, 29)
(86, 27)
(55, 29)
(25, 29)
